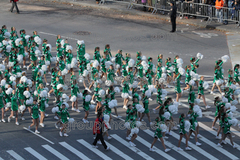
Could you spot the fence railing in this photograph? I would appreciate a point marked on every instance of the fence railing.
(211, 12)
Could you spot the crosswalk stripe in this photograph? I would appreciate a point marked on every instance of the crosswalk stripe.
(55, 152)
(183, 153)
(15, 155)
(158, 151)
(118, 152)
(73, 150)
(35, 154)
(215, 133)
(134, 149)
(95, 150)
(234, 131)
(195, 147)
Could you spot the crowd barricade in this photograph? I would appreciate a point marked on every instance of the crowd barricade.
(209, 12)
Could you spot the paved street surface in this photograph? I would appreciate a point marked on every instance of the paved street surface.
(131, 34)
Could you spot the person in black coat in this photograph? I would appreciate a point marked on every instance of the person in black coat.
(173, 15)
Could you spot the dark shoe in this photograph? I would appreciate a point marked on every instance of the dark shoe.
(172, 31)
(17, 12)
(10, 10)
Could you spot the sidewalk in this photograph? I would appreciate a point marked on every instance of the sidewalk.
(138, 10)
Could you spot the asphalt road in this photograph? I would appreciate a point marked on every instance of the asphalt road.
(131, 34)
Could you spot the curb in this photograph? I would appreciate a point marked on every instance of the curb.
(139, 13)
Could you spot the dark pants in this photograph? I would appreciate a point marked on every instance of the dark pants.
(173, 21)
(99, 136)
(14, 4)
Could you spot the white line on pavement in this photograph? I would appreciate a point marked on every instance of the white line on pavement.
(95, 150)
(56, 35)
(15, 155)
(1, 158)
(55, 152)
(183, 153)
(35, 154)
(158, 151)
(118, 152)
(134, 149)
(74, 151)
(38, 135)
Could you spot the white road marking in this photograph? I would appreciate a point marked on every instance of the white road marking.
(158, 151)
(15, 155)
(74, 151)
(118, 152)
(183, 153)
(55, 152)
(35, 154)
(1, 158)
(56, 35)
(38, 135)
(95, 150)
(134, 149)
(210, 130)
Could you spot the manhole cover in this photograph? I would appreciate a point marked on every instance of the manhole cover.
(82, 33)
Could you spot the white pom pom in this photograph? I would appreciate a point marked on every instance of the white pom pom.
(68, 47)
(7, 35)
(234, 87)
(29, 82)
(197, 101)
(8, 105)
(9, 91)
(95, 64)
(181, 71)
(73, 99)
(87, 56)
(152, 88)
(17, 41)
(117, 66)
(167, 115)
(225, 58)
(37, 53)
(3, 82)
(55, 109)
(117, 90)
(26, 94)
(62, 42)
(163, 69)
(2, 67)
(144, 58)
(224, 100)
(138, 124)
(196, 108)
(8, 48)
(233, 122)
(53, 59)
(134, 85)
(205, 85)
(74, 63)
(27, 37)
(88, 98)
(101, 93)
(26, 54)
(85, 73)
(43, 93)
(163, 127)
(71, 120)
(107, 64)
(191, 83)
(227, 105)
(47, 63)
(161, 80)
(38, 40)
(108, 82)
(187, 125)
(145, 65)
(230, 114)
(59, 86)
(140, 108)
(134, 131)
(111, 104)
(113, 59)
(64, 72)
(148, 93)
(170, 69)
(199, 56)
(106, 117)
(22, 108)
(91, 106)
(233, 109)
(179, 61)
(131, 63)
(29, 101)
(80, 42)
(173, 109)
(127, 125)
(80, 95)
(124, 95)
(237, 92)
(65, 98)
(44, 68)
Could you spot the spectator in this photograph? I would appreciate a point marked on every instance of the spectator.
(218, 6)
(235, 10)
(14, 3)
(225, 11)
(173, 15)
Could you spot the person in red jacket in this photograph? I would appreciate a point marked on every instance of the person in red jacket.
(14, 3)
(97, 129)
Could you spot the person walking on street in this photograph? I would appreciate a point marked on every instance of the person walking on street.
(173, 15)
(14, 3)
(97, 129)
